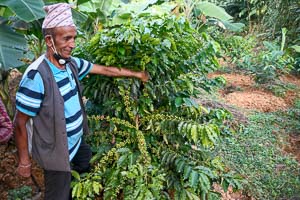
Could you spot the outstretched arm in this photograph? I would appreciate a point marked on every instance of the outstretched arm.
(119, 72)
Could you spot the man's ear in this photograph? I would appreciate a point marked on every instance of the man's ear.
(48, 41)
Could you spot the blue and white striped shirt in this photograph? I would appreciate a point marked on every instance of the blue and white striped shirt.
(30, 96)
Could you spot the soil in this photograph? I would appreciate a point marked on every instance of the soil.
(240, 92)
(8, 178)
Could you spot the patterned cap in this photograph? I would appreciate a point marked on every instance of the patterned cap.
(58, 15)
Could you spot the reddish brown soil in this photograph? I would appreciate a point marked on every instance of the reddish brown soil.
(230, 195)
(294, 146)
(240, 91)
(8, 178)
(256, 100)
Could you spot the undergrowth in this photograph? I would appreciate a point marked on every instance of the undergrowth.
(256, 153)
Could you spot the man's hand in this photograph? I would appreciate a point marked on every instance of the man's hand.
(24, 170)
(144, 76)
(119, 72)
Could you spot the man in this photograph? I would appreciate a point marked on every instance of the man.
(49, 94)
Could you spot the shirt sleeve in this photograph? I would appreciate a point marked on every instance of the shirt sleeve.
(84, 67)
(30, 94)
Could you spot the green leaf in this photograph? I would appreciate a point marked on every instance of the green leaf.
(75, 174)
(190, 86)
(161, 9)
(79, 190)
(187, 171)
(296, 48)
(165, 139)
(12, 47)
(225, 185)
(235, 27)
(180, 126)
(206, 171)
(82, 1)
(212, 10)
(27, 10)
(194, 133)
(188, 129)
(97, 187)
(204, 182)
(194, 178)
(181, 194)
(180, 166)
(105, 7)
(121, 50)
(283, 33)
(74, 190)
(166, 43)
(192, 195)
(178, 102)
(121, 160)
(190, 102)
(211, 134)
(137, 7)
(165, 156)
(79, 17)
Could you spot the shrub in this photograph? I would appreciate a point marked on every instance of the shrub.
(21, 193)
(153, 141)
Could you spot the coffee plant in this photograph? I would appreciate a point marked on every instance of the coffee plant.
(272, 63)
(236, 47)
(268, 64)
(152, 140)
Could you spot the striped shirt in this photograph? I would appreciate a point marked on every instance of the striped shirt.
(30, 96)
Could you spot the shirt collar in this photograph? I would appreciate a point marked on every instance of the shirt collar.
(54, 69)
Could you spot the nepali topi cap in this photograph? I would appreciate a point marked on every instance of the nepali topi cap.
(58, 15)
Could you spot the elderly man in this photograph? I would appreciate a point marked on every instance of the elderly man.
(49, 93)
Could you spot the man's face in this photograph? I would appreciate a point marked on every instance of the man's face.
(64, 40)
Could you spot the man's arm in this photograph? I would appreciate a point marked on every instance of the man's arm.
(24, 167)
(119, 72)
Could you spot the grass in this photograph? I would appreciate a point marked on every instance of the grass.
(256, 153)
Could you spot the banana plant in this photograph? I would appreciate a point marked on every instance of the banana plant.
(202, 13)
(12, 42)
